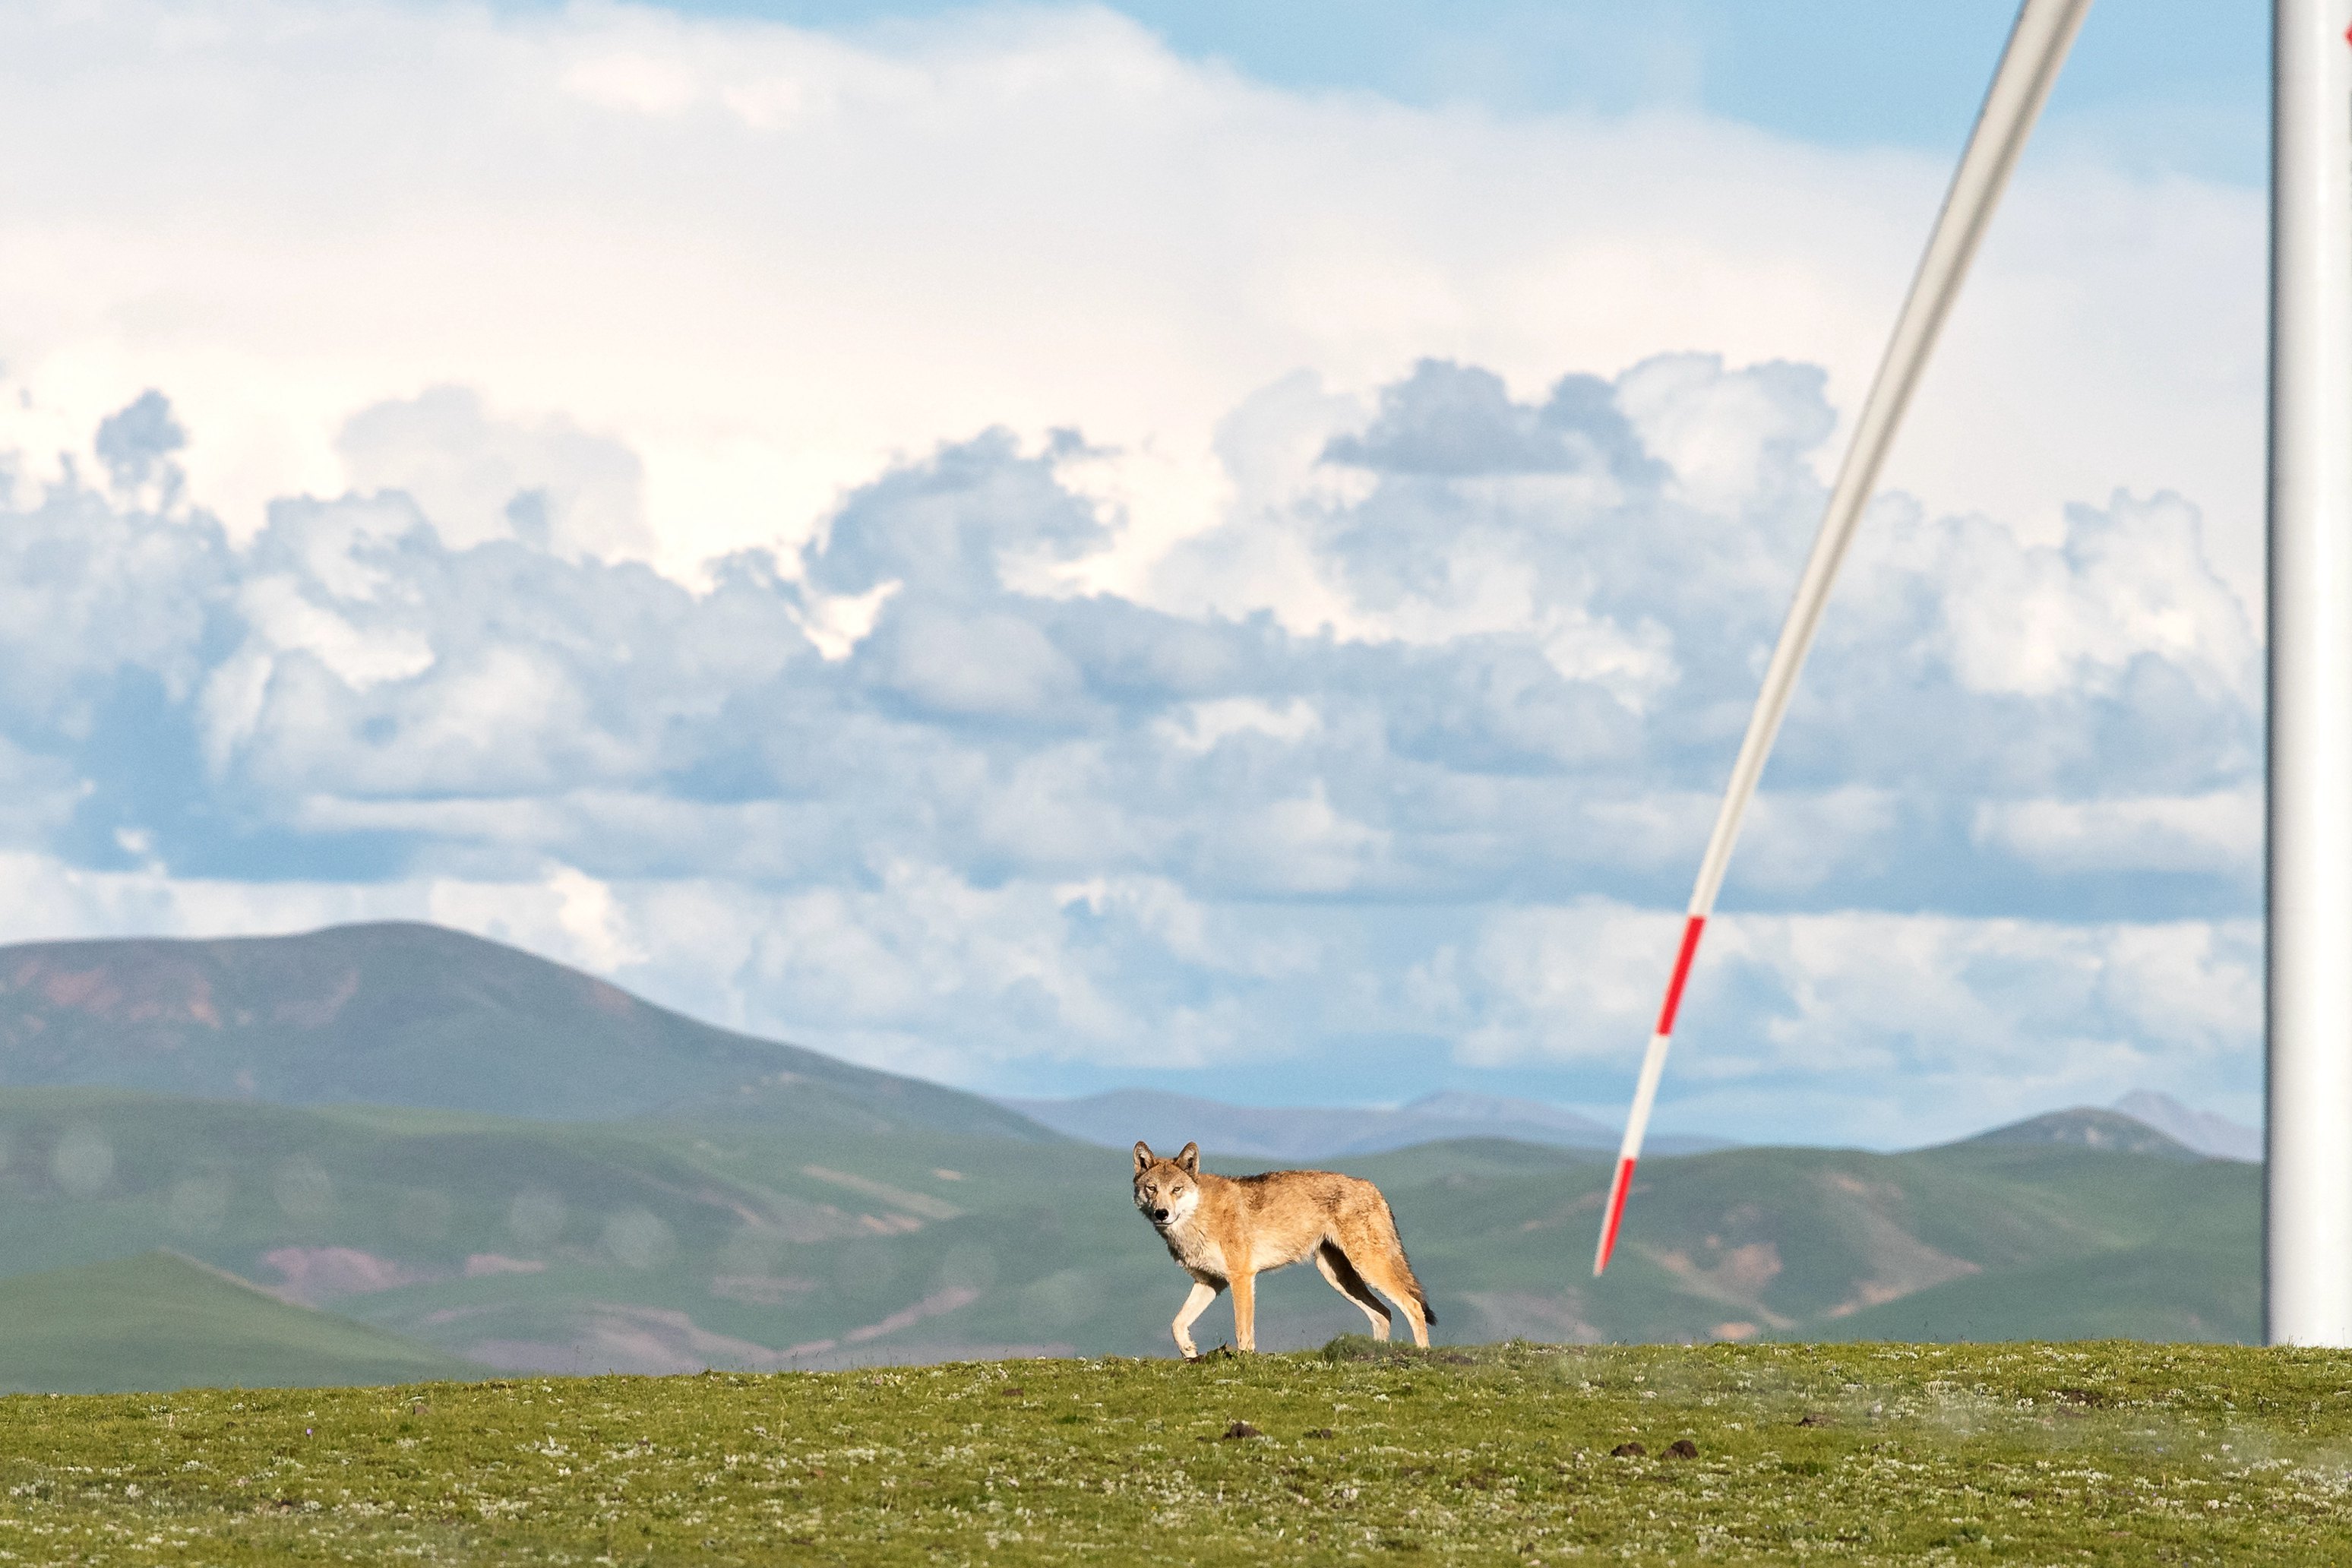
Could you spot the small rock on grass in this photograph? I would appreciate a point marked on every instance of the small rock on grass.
(1243, 1429)
(1629, 1451)
(1320, 1432)
(1683, 1449)
(1812, 1418)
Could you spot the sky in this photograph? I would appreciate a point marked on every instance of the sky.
(1221, 547)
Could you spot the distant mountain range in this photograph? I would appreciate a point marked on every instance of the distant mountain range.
(2208, 1134)
(2085, 1128)
(1122, 1117)
(402, 1013)
(315, 1114)
(668, 1245)
(406, 1014)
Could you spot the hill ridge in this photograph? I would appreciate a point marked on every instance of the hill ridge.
(1116, 1118)
(2089, 1127)
(160, 1318)
(408, 1012)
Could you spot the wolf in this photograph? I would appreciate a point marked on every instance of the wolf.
(1225, 1232)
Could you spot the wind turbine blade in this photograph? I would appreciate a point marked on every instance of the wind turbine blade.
(2029, 68)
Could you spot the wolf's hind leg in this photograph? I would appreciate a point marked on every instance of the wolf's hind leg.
(1399, 1286)
(1244, 1312)
(1344, 1279)
(1369, 1237)
(1194, 1305)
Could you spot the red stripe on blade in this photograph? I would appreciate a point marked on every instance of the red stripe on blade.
(1617, 1191)
(1682, 974)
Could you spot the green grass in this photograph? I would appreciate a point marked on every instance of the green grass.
(162, 1321)
(2120, 1453)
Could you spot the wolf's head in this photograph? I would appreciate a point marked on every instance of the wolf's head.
(1167, 1190)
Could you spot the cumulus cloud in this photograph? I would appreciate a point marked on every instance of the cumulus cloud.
(1003, 826)
(1233, 591)
(137, 445)
(545, 481)
(765, 259)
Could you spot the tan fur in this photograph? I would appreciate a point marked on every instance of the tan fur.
(1226, 1232)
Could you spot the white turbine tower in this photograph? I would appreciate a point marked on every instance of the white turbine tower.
(2308, 1211)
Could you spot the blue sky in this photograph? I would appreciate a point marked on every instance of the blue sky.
(2180, 85)
(1215, 546)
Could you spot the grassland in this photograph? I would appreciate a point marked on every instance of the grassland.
(162, 1321)
(523, 1168)
(671, 1244)
(2097, 1453)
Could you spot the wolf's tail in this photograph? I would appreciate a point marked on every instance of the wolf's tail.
(1428, 1312)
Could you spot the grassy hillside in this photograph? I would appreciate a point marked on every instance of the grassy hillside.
(2101, 1454)
(672, 1244)
(163, 1322)
(416, 1014)
(1830, 1243)
(575, 1247)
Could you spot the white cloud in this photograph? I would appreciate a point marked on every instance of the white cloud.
(761, 260)
(985, 667)
(475, 477)
(838, 623)
(285, 620)
(1857, 1010)
(1202, 726)
(2220, 832)
(1001, 833)
(1356, 537)
(2133, 579)
(1854, 1026)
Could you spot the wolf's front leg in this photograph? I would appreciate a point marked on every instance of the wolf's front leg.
(1244, 1312)
(1194, 1305)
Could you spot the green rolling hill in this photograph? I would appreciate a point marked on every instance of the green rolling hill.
(672, 1244)
(160, 1320)
(549, 1175)
(1983, 1239)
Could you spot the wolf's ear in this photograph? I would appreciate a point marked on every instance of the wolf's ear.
(1142, 1157)
(1188, 1162)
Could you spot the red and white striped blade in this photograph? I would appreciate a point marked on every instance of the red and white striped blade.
(1645, 1094)
(2028, 66)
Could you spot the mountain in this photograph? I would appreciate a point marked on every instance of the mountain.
(1120, 1117)
(2216, 1136)
(415, 1015)
(160, 1320)
(557, 1177)
(2090, 1129)
(675, 1243)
